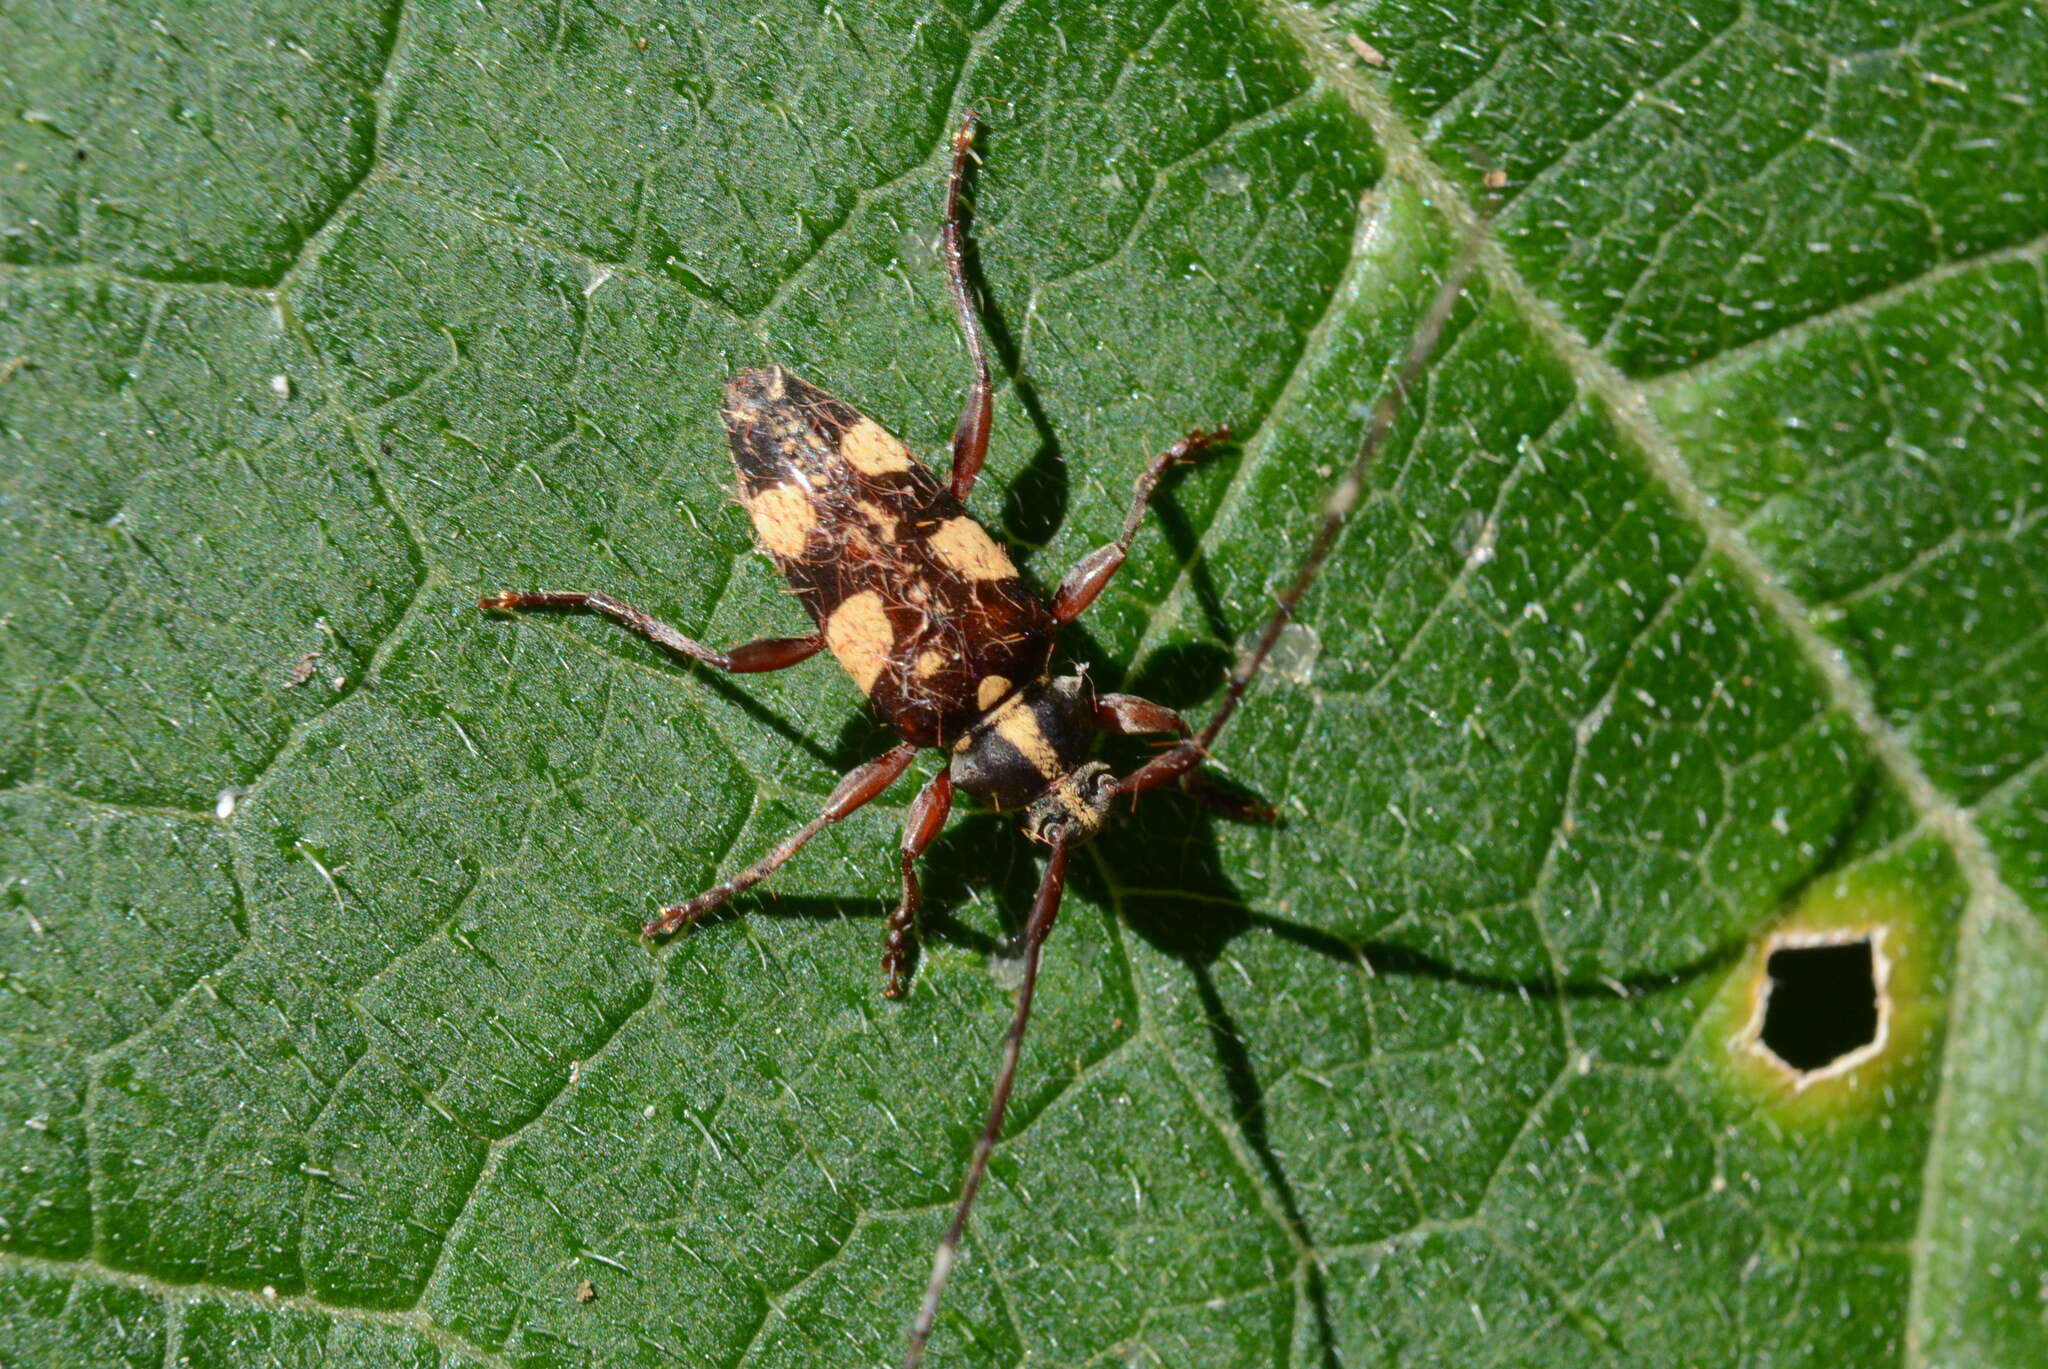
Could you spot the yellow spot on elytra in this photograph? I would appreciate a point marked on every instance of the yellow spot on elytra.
(783, 519)
(930, 662)
(872, 450)
(963, 545)
(860, 636)
(991, 688)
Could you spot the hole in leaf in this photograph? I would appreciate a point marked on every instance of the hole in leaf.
(1822, 1004)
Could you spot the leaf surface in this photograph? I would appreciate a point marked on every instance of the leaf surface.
(1695, 606)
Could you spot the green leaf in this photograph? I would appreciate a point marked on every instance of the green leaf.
(1694, 612)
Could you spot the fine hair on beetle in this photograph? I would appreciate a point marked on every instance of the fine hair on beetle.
(927, 614)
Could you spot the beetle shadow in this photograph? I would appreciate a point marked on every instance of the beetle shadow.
(843, 755)
(862, 737)
(1036, 503)
(1186, 539)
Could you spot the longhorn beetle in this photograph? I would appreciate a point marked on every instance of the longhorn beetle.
(928, 615)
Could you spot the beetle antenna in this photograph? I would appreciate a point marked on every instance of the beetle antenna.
(1337, 508)
(1044, 909)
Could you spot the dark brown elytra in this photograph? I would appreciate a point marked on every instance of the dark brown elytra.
(928, 615)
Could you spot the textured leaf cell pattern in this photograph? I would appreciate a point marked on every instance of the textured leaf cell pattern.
(1697, 601)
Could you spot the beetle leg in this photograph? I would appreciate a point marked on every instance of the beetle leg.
(970, 435)
(859, 787)
(1165, 768)
(770, 653)
(921, 826)
(1127, 715)
(1093, 571)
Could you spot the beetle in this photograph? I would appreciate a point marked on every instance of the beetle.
(925, 611)
(929, 617)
